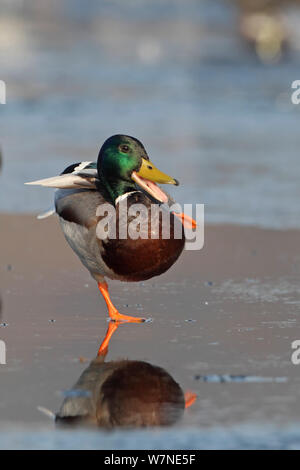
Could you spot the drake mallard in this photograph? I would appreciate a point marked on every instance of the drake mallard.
(123, 172)
(123, 393)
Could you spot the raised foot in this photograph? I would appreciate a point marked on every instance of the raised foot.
(186, 220)
(190, 398)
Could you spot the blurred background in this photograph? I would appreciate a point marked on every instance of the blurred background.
(205, 84)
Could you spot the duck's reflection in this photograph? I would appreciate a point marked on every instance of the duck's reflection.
(123, 393)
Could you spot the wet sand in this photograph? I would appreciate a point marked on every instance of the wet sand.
(231, 308)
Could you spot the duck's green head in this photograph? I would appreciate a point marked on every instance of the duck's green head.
(123, 162)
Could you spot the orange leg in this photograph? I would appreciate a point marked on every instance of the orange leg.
(186, 220)
(112, 327)
(190, 398)
(114, 314)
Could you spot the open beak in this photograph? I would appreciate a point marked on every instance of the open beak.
(147, 177)
(66, 181)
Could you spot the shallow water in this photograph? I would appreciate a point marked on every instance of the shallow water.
(238, 437)
(178, 77)
(224, 320)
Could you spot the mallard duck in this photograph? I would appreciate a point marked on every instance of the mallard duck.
(123, 173)
(123, 393)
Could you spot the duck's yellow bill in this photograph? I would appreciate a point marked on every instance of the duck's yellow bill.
(147, 177)
(150, 172)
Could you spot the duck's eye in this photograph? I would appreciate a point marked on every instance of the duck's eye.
(124, 148)
(150, 167)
